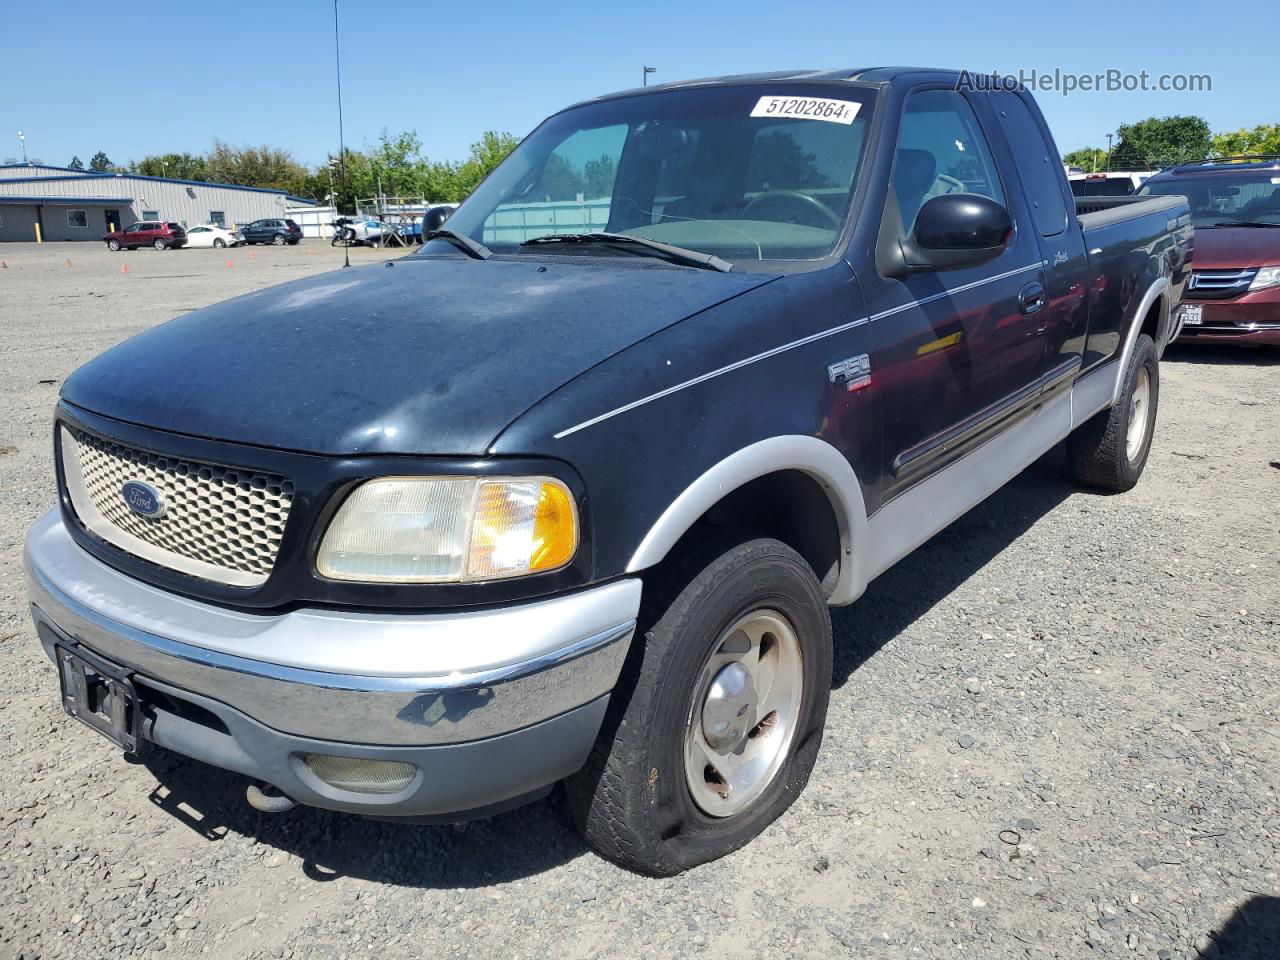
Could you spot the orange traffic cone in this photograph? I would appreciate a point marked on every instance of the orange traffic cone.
(4, 264)
(253, 254)
(68, 261)
(124, 268)
(228, 264)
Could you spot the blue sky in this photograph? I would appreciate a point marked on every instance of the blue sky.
(259, 72)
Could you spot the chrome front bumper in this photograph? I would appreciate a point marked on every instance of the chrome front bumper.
(405, 685)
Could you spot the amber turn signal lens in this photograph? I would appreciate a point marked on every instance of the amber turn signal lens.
(521, 526)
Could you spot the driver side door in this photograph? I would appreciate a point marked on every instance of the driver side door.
(958, 352)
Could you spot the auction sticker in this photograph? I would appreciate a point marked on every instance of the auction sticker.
(807, 108)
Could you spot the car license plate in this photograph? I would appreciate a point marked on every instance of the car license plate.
(99, 694)
(1192, 314)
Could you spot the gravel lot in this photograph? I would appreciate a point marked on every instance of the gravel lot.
(1055, 730)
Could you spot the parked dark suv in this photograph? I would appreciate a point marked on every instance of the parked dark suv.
(147, 233)
(278, 232)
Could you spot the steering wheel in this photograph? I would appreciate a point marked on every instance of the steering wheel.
(811, 204)
(953, 185)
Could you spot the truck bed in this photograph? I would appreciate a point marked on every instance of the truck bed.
(1102, 211)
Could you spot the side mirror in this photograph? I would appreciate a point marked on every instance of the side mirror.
(957, 230)
(435, 219)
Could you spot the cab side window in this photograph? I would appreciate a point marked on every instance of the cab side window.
(941, 150)
(1038, 166)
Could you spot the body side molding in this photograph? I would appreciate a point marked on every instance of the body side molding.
(909, 520)
(809, 455)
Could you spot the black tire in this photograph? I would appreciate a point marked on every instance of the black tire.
(160, 243)
(113, 244)
(219, 243)
(278, 240)
(1097, 452)
(631, 800)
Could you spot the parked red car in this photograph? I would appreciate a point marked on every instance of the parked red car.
(1233, 295)
(147, 233)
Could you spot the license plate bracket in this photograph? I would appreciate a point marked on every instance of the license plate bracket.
(1192, 314)
(100, 695)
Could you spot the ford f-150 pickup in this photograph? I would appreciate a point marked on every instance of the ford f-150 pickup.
(566, 495)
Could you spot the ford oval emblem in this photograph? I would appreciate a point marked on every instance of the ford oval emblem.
(143, 499)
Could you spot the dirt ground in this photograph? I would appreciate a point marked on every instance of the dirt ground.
(1054, 731)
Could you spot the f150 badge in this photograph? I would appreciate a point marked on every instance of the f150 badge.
(854, 371)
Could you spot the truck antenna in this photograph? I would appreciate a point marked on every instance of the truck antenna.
(342, 147)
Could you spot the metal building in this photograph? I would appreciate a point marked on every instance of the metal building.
(64, 204)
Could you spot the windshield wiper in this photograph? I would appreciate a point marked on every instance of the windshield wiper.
(693, 258)
(1246, 223)
(472, 247)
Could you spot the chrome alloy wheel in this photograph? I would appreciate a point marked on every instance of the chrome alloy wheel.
(1139, 408)
(744, 713)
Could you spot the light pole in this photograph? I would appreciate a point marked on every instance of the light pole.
(23, 141)
(645, 78)
(1109, 136)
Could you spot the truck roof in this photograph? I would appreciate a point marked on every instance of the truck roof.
(873, 75)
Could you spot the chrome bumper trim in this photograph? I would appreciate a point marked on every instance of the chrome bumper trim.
(453, 705)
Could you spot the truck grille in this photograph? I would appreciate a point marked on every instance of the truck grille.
(218, 523)
(1218, 284)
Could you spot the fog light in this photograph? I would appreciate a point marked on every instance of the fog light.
(360, 775)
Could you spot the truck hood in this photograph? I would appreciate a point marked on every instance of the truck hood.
(1236, 248)
(429, 356)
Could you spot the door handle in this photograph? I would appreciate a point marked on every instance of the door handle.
(1031, 298)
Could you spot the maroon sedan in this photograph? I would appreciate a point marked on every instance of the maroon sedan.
(147, 233)
(1233, 295)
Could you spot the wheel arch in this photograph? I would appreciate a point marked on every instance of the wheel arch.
(759, 474)
(1152, 316)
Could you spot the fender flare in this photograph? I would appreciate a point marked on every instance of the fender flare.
(809, 455)
(1159, 288)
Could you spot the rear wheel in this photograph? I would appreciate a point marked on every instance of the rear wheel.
(1110, 450)
(716, 722)
(278, 240)
(160, 243)
(219, 242)
(113, 244)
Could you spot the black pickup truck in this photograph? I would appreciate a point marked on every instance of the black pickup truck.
(566, 494)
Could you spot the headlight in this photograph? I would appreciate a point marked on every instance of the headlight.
(447, 529)
(1266, 278)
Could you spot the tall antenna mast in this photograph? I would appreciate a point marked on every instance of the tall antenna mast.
(342, 147)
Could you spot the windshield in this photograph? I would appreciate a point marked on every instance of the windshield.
(1227, 200)
(747, 173)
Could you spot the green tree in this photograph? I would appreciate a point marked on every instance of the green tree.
(253, 166)
(101, 163)
(598, 177)
(486, 153)
(75, 164)
(1161, 142)
(1087, 159)
(181, 166)
(1264, 138)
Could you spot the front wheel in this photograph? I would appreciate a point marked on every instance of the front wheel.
(1110, 450)
(716, 722)
(113, 244)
